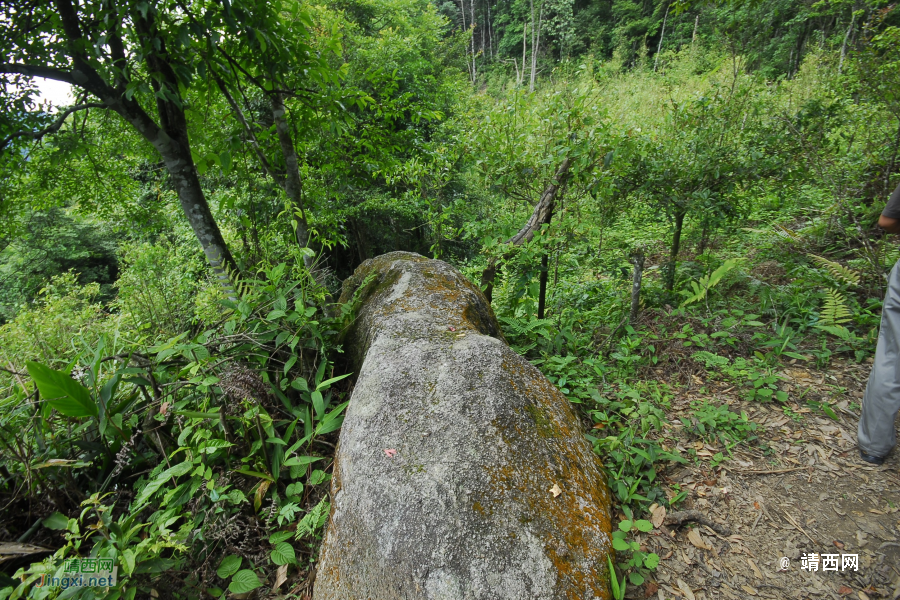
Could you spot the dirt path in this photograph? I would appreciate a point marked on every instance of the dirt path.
(799, 490)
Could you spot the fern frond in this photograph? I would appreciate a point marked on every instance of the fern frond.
(837, 270)
(834, 309)
(707, 282)
(785, 233)
(523, 326)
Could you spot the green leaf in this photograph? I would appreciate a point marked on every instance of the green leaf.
(151, 487)
(229, 566)
(57, 521)
(318, 402)
(643, 525)
(283, 554)
(280, 536)
(128, 561)
(62, 392)
(625, 525)
(243, 582)
(254, 474)
(301, 460)
(317, 477)
(621, 545)
(636, 578)
(328, 382)
(211, 446)
(651, 561)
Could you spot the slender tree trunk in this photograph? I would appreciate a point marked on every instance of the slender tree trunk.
(462, 12)
(844, 44)
(694, 36)
(676, 246)
(293, 186)
(661, 36)
(542, 213)
(535, 42)
(490, 31)
(542, 286)
(637, 259)
(524, 46)
(472, 20)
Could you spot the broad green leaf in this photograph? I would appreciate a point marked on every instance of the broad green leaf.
(128, 561)
(57, 521)
(621, 545)
(280, 536)
(229, 566)
(283, 554)
(643, 525)
(62, 392)
(243, 582)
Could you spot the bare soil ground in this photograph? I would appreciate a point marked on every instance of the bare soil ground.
(800, 489)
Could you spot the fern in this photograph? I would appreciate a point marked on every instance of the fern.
(837, 270)
(779, 230)
(701, 287)
(529, 329)
(834, 309)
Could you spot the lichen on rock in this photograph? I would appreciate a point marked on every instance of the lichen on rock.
(461, 507)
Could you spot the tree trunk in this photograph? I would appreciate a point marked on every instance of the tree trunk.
(293, 186)
(661, 36)
(169, 137)
(844, 44)
(461, 471)
(676, 246)
(637, 259)
(542, 286)
(542, 213)
(524, 47)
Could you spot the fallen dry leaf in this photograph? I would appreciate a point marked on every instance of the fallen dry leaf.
(685, 589)
(650, 588)
(695, 539)
(555, 490)
(862, 596)
(844, 591)
(756, 570)
(749, 590)
(658, 516)
(280, 577)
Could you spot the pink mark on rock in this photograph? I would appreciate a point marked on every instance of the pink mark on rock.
(390, 452)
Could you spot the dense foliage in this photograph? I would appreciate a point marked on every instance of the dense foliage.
(706, 181)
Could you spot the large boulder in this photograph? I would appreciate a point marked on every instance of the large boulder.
(461, 471)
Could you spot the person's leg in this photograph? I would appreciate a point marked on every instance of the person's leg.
(876, 434)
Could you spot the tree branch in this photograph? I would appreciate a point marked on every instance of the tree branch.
(36, 135)
(38, 71)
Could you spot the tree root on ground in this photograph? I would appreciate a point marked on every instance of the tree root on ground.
(687, 516)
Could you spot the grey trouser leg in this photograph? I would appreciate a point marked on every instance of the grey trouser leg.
(876, 433)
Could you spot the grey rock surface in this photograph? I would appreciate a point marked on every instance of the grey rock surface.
(461, 472)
